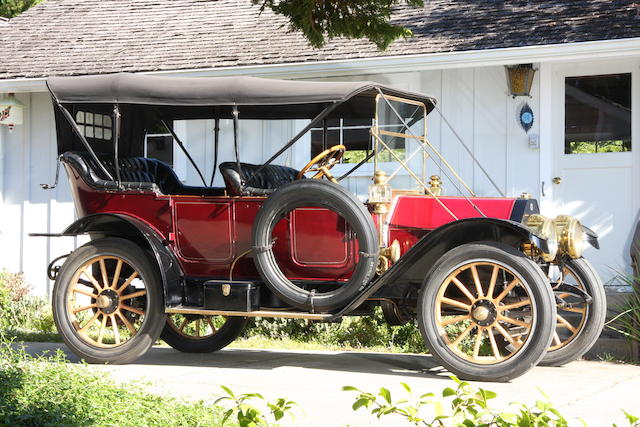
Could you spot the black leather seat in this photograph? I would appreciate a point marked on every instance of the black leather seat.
(136, 173)
(266, 182)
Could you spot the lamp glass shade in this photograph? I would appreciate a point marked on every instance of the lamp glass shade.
(520, 79)
(11, 111)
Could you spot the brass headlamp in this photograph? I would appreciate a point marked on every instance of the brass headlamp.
(570, 235)
(544, 228)
(564, 235)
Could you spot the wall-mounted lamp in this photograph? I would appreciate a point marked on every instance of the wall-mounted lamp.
(11, 111)
(520, 79)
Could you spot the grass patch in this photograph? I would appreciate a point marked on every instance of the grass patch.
(370, 333)
(47, 391)
(259, 342)
(31, 336)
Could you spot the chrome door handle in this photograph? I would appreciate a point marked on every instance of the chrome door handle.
(542, 190)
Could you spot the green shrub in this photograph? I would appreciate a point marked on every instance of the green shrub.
(48, 391)
(249, 415)
(462, 405)
(358, 332)
(627, 322)
(20, 312)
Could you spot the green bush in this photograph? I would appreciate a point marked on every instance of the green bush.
(48, 391)
(21, 312)
(463, 405)
(358, 332)
(627, 322)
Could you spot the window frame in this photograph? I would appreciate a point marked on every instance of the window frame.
(366, 169)
(83, 125)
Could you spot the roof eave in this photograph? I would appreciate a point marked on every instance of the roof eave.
(598, 49)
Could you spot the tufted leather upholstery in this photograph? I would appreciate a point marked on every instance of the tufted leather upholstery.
(266, 182)
(137, 173)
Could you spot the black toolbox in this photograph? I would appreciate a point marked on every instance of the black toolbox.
(231, 296)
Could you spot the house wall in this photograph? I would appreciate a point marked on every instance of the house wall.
(474, 101)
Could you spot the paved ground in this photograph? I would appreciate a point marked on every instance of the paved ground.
(593, 391)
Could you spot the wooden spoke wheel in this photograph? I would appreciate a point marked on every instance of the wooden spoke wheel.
(107, 301)
(579, 322)
(195, 326)
(568, 327)
(192, 333)
(486, 312)
(106, 311)
(480, 305)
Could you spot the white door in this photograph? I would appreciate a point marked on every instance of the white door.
(594, 150)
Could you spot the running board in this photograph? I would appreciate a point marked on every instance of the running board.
(257, 313)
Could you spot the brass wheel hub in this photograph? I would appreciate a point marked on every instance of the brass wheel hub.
(108, 301)
(484, 312)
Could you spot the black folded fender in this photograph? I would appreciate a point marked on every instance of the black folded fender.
(416, 263)
(119, 225)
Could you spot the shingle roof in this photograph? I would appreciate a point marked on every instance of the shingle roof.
(71, 37)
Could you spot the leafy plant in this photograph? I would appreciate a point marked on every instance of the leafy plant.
(356, 332)
(627, 322)
(320, 21)
(21, 312)
(11, 8)
(632, 419)
(49, 391)
(249, 415)
(462, 405)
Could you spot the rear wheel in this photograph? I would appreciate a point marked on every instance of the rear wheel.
(579, 323)
(107, 302)
(486, 312)
(201, 334)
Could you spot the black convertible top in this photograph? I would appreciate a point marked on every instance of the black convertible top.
(145, 101)
(161, 91)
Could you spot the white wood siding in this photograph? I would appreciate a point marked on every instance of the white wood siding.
(474, 100)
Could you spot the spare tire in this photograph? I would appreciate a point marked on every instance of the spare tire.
(305, 193)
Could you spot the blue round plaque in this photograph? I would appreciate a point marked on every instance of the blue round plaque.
(526, 117)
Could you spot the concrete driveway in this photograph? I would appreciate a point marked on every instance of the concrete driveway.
(594, 391)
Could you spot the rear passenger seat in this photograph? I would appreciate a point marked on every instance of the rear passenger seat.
(136, 173)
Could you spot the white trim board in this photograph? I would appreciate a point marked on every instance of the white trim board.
(514, 55)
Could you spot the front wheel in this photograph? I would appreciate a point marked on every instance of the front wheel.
(579, 323)
(107, 302)
(193, 333)
(486, 312)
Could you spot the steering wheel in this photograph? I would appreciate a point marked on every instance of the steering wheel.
(323, 162)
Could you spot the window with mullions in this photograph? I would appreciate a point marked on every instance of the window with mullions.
(95, 126)
(355, 135)
(598, 114)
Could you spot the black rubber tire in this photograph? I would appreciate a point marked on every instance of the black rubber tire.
(540, 292)
(154, 312)
(224, 336)
(313, 192)
(594, 322)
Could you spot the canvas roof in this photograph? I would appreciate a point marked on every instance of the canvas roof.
(129, 88)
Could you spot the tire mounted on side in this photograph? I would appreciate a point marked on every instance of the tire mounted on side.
(316, 193)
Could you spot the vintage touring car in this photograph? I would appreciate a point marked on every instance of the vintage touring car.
(494, 286)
